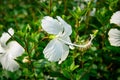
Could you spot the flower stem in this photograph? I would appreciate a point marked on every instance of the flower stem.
(30, 64)
(50, 6)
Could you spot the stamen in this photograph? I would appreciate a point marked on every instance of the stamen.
(80, 46)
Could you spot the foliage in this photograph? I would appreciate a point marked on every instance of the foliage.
(100, 62)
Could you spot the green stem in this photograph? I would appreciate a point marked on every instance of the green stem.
(50, 6)
(30, 65)
(65, 5)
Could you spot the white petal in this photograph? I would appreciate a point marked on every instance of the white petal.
(8, 63)
(114, 37)
(13, 50)
(115, 18)
(65, 53)
(67, 28)
(5, 36)
(51, 26)
(2, 50)
(11, 31)
(56, 51)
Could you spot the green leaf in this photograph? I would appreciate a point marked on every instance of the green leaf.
(73, 66)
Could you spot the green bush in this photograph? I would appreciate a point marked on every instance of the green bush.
(100, 62)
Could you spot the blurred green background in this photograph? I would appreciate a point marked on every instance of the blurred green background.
(100, 62)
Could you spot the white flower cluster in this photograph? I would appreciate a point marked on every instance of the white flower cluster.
(9, 51)
(58, 48)
(114, 33)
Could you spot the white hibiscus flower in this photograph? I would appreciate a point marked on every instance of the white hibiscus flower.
(114, 34)
(114, 37)
(58, 49)
(9, 51)
(115, 18)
